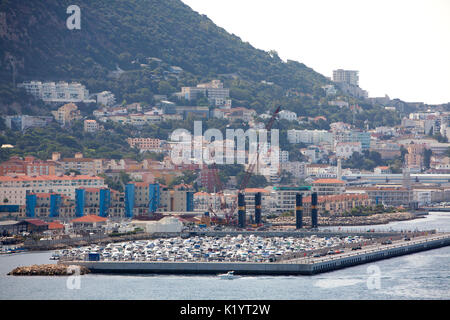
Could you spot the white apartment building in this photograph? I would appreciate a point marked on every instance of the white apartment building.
(250, 200)
(296, 168)
(309, 136)
(284, 156)
(90, 126)
(346, 76)
(145, 144)
(15, 188)
(285, 197)
(330, 90)
(346, 149)
(338, 103)
(60, 92)
(106, 98)
(213, 90)
(287, 115)
(134, 119)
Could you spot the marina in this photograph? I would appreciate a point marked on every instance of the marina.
(238, 248)
(419, 275)
(316, 256)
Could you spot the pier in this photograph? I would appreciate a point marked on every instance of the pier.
(296, 266)
(437, 209)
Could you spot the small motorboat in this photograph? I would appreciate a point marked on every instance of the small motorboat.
(55, 256)
(229, 275)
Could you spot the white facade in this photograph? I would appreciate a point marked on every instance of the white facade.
(309, 136)
(213, 90)
(91, 126)
(106, 98)
(296, 168)
(346, 76)
(423, 197)
(338, 103)
(62, 92)
(284, 156)
(287, 115)
(330, 90)
(167, 224)
(15, 189)
(346, 149)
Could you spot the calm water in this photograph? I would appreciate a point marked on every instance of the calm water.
(424, 275)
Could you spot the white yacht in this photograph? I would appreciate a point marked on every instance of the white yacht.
(229, 275)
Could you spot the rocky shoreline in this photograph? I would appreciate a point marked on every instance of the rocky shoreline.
(375, 219)
(46, 270)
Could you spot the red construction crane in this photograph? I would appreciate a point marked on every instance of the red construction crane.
(250, 169)
(218, 191)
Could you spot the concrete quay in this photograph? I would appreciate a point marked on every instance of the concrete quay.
(298, 266)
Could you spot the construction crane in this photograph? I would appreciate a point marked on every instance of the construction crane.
(218, 191)
(249, 172)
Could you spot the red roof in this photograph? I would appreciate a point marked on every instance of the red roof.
(140, 184)
(255, 190)
(36, 222)
(43, 195)
(201, 193)
(91, 189)
(90, 218)
(182, 186)
(48, 178)
(329, 181)
(55, 226)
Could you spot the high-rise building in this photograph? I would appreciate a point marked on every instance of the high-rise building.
(23, 122)
(414, 157)
(213, 90)
(347, 76)
(57, 91)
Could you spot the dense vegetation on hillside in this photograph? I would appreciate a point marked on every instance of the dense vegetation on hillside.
(127, 35)
(110, 143)
(124, 34)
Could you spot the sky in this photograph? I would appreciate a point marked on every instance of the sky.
(400, 47)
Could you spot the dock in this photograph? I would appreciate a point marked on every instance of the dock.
(296, 266)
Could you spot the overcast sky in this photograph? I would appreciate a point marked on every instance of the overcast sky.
(400, 47)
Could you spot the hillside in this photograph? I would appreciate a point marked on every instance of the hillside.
(127, 35)
(119, 32)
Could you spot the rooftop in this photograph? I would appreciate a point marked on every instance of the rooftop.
(90, 218)
(36, 222)
(47, 178)
(255, 190)
(55, 226)
(328, 181)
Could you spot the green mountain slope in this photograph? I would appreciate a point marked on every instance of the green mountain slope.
(115, 33)
(123, 35)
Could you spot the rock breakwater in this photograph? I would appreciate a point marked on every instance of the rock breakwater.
(47, 270)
